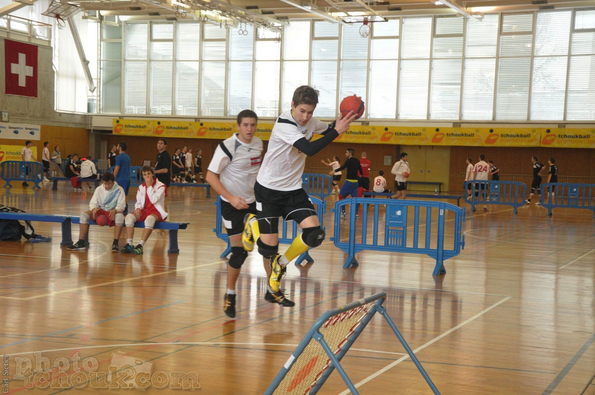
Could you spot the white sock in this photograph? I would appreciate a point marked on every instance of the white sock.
(129, 241)
(231, 291)
(142, 242)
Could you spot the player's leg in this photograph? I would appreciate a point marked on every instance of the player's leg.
(534, 186)
(404, 190)
(150, 221)
(119, 220)
(81, 244)
(129, 222)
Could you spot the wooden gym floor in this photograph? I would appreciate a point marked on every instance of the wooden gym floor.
(513, 315)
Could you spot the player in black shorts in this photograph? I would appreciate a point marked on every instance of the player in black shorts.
(494, 171)
(198, 165)
(551, 178)
(537, 167)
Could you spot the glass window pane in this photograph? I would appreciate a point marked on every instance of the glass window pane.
(111, 87)
(162, 50)
(266, 88)
(448, 47)
(326, 29)
(382, 103)
(188, 41)
(353, 79)
(213, 50)
(581, 88)
(212, 88)
(516, 45)
(324, 78)
(187, 88)
(584, 19)
(552, 33)
(240, 97)
(214, 32)
(449, 25)
(295, 74)
(162, 31)
(136, 41)
(549, 87)
(513, 89)
(386, 29)
(161, 87)
(387, 48)
(268, 50)
(325, 49)
(111, 50)
(583, 43)
(241, 47)
(482, 37)
(413, 89)
(135, 89)
(296, 41)
(478, 88)
(110, 32)
(514, 23)
(354, 46)
(446, 89)
(417, 36)
(264, 33)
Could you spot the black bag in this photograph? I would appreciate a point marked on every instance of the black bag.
(13, 229)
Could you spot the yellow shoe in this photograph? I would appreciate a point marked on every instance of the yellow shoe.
(277, 273)
(247, 236)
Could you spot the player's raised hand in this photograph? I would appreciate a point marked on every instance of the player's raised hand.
(342, 123)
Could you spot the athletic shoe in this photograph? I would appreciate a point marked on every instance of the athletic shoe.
(279, 298)
(115, 247)
(138, 250)
(79, 245)
(247, 236)
(25, 184)
(468, 197)
(277, 273)
(45, 179)
(485, 208)
(528, 201)
(128, 249)
(343, 214)
(229, 306)
(538, 203)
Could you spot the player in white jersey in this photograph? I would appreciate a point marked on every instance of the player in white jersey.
(279, 191)
(232, 174)
(481, 172)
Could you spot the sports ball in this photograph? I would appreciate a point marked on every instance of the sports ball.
(102, 220)
(352, 103)
(405, 174)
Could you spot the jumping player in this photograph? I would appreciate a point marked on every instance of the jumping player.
(278, 188)
(334, 164)
(232, 174)
(537, 168)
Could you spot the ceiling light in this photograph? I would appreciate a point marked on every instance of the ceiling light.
(459, 9)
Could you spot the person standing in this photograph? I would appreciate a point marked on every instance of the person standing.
(401, 171)
(45, 160)
(27, 156)
(494, 171)
(176, 162)
(469, 176)
(188, 164)
(481, 172)
(349, 187)
(232, 174)
(198, 165)
(537, 168)
(163, 164)
(111, 156)
(334, 164)
(364, 180)
(122, 167)
(552, 177)
(279, 191)
(57, 159)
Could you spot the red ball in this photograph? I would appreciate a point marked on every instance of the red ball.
(102, 220)
(352, 103)
(405, 174)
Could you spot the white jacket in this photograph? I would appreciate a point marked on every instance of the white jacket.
(156, 194)
(399, 168)
(88, 169)
(108, 200)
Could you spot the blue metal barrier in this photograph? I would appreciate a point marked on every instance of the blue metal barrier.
(507, 193)
(136, 178)
(568, 196)
(319, 185)
(398, 229)
(13, 170)
(285, 237)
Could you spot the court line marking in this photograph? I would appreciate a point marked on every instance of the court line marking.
(576, 259)
(420, 348)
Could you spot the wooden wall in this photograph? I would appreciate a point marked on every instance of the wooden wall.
(70, 140)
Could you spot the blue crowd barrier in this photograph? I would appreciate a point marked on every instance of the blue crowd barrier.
(319, 185)
(407, 226)
(568, 195)
(508, 193)
(286, 236)
(13, 170)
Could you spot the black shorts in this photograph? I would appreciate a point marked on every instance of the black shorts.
(46, 165)
(233, 219)
(365, 183)
(536, 182)
(175, 170)
(197, 169)
(468, 185)
(271, 204)
(401, 186)
(337, 177)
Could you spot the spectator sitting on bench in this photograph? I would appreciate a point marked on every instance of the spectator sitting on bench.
(88, 171)
(109, 199)
(149, 207)
(72, 172)
(380, 183)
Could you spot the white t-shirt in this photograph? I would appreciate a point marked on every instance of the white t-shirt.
(481, 170)
(469, 173)
(399, 168)
(379, 184)
(188, 161)
(335, 165)
(45, 155)
(88, 169)
(26, 154)
(283, 164)
(237, 168)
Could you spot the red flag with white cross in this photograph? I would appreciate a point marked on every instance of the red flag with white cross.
(20, 68)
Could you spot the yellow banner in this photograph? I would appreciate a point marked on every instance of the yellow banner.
(360, 134)
(13, 152)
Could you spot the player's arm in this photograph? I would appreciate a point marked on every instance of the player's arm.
(166, 165)
(219, 161)
(311, 148)
(395, 169)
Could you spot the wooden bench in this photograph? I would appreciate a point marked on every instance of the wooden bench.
(13, 170)
(417, 195)
(56, 179)
(192, 184)
(67, 222)
(436, 183)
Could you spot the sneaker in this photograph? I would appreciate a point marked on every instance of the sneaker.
(115, 247)
(277, 273)
(343, 214)
(247, 236)
(128, 249)
(25, 184)
(229, 306)
(138, 250)
(528, 201)
(279, 298)
(538, 203)
(79, 245)
(45, 179)
(468, 197)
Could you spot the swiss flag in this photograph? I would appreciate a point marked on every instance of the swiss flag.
(20, 68)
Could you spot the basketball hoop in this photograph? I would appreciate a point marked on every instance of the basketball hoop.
(61, 23)
(62, 12)
(364, 30)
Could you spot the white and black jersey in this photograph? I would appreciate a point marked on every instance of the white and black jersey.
(283, 164)
(237, 165)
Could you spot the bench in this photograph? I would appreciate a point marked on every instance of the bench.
(12, 170)
(55, 180)
(67, 221)
(192, 184)
(417, 195)
(436, 183)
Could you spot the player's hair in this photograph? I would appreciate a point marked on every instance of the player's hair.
(337, 158)
(148, 169)
(107, 177)
(469, 160)
(246, 114)
(176, 150)
(482, 156)
(535, 158)
(305, 95)
(88, 157)
(27, 142)
(45, 144)
(553, 160)
(123, 146)
(56, 147)
(403, 154)
(381, 172)
(351, 151)
(491, 161)
(163, 140)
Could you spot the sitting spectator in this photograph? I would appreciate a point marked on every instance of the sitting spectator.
(72, 171)
(88, 171)
(380, 183)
